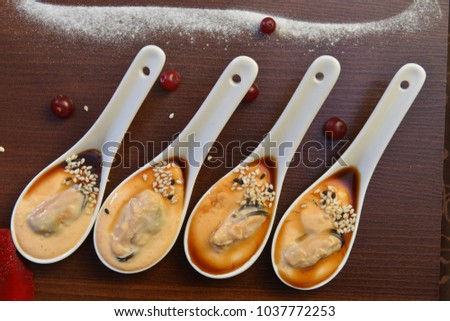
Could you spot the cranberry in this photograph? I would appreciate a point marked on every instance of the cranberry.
(335, 128)
(170, 80)
(268, 25)
(251, 94)
(62, 106)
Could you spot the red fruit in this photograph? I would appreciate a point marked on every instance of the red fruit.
(170, 80)
(16, 280)
(62, 106)
(268, 25)
(335, 128)
(251, 94)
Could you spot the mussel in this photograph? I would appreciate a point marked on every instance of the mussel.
(142, 217)
(57, 211)
(239, 225)
(310, 248)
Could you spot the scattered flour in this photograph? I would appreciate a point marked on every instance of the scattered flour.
(128, 23)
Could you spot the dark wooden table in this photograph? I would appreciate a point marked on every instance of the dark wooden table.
(396, 254)
(444, 281)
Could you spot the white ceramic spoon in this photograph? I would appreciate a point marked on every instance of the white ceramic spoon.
(191, 146)
(280, 145)
(363, 155)
(109, 128)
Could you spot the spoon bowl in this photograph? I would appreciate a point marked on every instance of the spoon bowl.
(109, 128)
(230, 225)
(351, 174)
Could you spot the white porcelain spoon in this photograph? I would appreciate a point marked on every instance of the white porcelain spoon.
(138, 223)
(211, 249)
(49, 247)
(348, 179)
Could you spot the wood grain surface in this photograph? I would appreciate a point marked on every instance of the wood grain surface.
(444, 281)
(396, 254)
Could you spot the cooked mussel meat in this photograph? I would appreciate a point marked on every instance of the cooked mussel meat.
(310, 248)
(142, 217)
(57, 211)
(239, 225)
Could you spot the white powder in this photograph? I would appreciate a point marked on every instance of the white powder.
(128, 23)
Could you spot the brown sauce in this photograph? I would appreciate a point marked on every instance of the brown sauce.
(48, 246)
(346, 182)
(215, 206)
(158, 244)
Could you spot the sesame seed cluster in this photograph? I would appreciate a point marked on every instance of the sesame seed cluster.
(344, 216)
(164, 183)
(256, 191)
(83, 176)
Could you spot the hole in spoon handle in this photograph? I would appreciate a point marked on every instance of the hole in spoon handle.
(146, 71)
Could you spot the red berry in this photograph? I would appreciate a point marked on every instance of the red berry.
(268, 25)
(16, 280)
(335, 128)
(170, 80)
(251, 94)
(62, 106)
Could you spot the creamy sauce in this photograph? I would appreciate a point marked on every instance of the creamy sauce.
(210, 213)
(157, 245)
(301, 221)
(52, 245)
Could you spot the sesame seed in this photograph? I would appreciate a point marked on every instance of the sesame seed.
(171, 115)
(255, 192)
(106, 210)
(86, 108)
(86, 180)
(209, 157)
(344, 217)
(165, 181)
(145, 176)
(2, 149)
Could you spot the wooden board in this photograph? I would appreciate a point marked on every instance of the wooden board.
(444, 281)
(396, 254)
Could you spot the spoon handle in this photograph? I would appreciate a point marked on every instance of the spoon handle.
(287, 133)
(197, 138)
(110, 127)
(367, 148)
